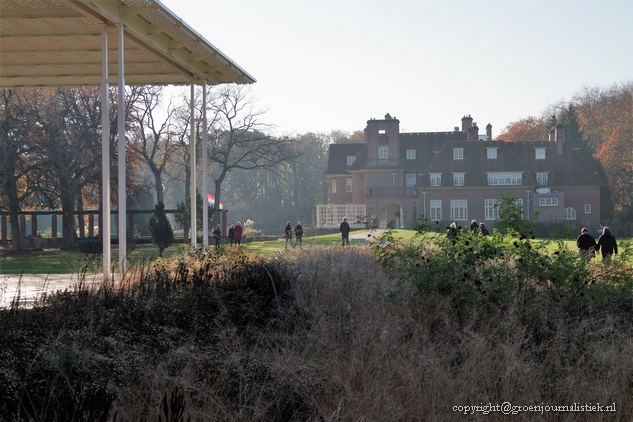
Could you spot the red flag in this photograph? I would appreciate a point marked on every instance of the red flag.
(211, 201)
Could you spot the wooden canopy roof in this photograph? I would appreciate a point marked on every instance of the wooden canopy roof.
(59, 43)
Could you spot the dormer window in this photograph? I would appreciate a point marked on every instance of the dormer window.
(436, 179)
(541, 179)
(382, 136)
(539, 153)
(410, 154)
(491, 153)
(458, 153)
(383, 153)
(350, 160)
(458, 179)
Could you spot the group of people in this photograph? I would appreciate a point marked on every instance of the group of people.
(298, 232)
(235, 234)
(477, 228)
(588, 247)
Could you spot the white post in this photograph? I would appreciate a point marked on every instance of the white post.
(122, 161)
(105, 155)
(205, 170)
(192, 165)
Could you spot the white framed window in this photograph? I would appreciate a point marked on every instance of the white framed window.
(410, 180)
(541, 178)
(333, 186)
(350, 160)
(348, 184)
(458, 153)
(458, 179)
(570, 213)
(383, 152)
(436, 209)
(382, 131)
(459, 209)
(436, 179)
(539, 153)
(491, 153)
(491, 210)
(410, 154)
(587, 208)
(548, 202)
(505, 179)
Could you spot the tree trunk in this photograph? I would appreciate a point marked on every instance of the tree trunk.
(160, 193)
(14, 209)
(68, 219)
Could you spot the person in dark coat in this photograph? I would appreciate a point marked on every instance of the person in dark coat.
(483, 230)
(217, 234)
(288, 234)
(474, 226)
(344, 229)
(607, 245)
(231, 235)
(299, 233)
(586, 244)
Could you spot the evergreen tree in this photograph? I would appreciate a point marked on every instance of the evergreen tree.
(575, 138)
(183, 218)
(160, 228)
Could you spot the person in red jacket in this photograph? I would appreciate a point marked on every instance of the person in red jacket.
(237, 233)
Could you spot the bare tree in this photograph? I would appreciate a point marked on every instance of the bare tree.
(238, 139)
(17, 158)
(150, 138)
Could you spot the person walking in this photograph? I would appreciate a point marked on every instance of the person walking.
(474, 226)
(237, 233)
(299, 233)
(217, 235)
(288, 234)
(231, 234)
(483, 230)
(586, 244)
(451, 232)
(607, 245)
(344, 229)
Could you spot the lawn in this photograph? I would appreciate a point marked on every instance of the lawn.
(54, 261)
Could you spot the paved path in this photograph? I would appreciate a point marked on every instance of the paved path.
(32, 286)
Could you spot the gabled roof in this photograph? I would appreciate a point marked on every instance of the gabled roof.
(337, 157)
(59, 43)
(563, 169)
(427, 145)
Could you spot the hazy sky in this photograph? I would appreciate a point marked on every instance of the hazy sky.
(325, 65)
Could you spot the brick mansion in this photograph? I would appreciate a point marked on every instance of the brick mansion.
(396, 178)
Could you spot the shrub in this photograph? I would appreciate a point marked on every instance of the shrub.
(91, 245)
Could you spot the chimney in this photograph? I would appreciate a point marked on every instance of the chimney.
(489, 131)
(475, 129)
(467, 122)
(559, 138)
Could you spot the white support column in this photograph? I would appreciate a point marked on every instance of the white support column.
(105, 155)
(205, 170)
(192, 165)
(122, 161)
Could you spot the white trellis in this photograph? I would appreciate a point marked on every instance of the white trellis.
(330, 216)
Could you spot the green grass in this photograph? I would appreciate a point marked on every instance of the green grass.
(53, 261)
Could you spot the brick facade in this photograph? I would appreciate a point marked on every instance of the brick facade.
(399, 176)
